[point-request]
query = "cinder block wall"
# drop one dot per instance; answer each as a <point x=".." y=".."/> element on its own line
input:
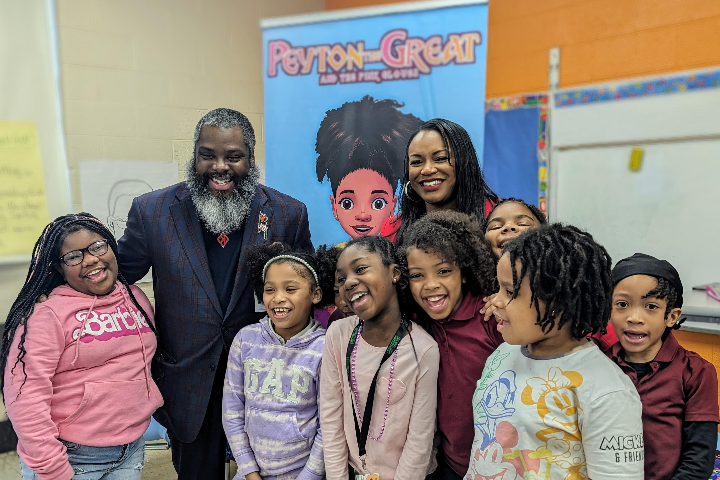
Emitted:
<point x="137" y="75"/>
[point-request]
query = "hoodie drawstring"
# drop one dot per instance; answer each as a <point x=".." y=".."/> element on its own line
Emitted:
<point x="127" y="302"/>
<point x="82" y="330"/>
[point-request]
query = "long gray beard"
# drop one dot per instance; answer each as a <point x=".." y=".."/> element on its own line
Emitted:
<point x="222" y="214"/>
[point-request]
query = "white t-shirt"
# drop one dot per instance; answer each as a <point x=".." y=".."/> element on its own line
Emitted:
<point x="576" y="416"/>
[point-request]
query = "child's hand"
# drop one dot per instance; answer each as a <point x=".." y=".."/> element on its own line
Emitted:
<point x="489" y="309"/>
<point x="253" y="476"/>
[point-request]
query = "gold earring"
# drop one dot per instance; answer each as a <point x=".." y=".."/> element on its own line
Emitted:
<point x="408" y="195"/>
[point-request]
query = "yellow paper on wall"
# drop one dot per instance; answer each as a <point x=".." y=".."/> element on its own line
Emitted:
<point x="23" y="209"/>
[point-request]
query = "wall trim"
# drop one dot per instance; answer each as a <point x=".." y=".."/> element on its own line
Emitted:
<point x="349" y="13"/>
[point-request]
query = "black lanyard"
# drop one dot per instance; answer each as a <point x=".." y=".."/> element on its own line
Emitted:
<point x="362" y="434"/>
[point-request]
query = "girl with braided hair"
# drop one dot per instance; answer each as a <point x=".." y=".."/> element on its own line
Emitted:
<point x="451" y="268"/>
<point x="442" y="172"/>
<point x="549" y="403"/>
<point x="77" y="384"/>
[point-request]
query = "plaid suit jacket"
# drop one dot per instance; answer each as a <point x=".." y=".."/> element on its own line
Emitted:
<point x="163" y="232"/>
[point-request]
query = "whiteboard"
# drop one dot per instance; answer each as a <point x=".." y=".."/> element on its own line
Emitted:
<point x="668" y="209"/>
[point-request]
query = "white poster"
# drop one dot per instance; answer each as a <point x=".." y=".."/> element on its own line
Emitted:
<point x="127" y="180"/>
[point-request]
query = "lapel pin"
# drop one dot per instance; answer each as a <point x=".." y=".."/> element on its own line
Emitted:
<point x="263" y="225"/>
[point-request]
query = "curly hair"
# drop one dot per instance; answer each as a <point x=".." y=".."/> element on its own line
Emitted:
<point x="569" y="272"/>
<point x="456" y="238"/>
<point x="665" y="291"/>
<point x="259" y="255"/>
<point x="388" y="252"/>
<point x="44" y="276"/>
<point x="471" y="190"/>
<point x="539" y="216"/>
<point x="327" y="258"/>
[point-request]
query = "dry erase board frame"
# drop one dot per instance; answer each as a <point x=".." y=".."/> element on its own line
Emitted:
<point x="668" y="208"/>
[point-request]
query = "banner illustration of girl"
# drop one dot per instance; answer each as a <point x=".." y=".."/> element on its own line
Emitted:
<point x="361" y="150"/>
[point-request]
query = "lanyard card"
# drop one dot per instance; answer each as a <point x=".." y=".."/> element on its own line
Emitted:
<point x="369" y="476"/>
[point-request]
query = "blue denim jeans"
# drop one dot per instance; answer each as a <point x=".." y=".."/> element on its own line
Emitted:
<point x="124" y="462"/>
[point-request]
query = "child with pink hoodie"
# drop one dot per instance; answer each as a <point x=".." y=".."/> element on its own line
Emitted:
<point x="77" y="384"/>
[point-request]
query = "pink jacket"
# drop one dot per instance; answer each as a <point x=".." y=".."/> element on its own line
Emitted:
<point x="92" y="388"/>
<point x="405" y="450"/>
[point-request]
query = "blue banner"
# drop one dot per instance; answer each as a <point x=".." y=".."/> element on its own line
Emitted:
<point x="342" y="98"/>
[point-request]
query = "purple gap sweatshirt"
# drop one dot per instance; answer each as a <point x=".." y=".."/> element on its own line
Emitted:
<point x="270" y="402"/>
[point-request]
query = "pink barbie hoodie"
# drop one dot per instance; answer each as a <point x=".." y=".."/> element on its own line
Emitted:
<point x="88" y="376"/>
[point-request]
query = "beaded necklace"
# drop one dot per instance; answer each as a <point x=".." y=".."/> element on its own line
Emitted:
<point x="355" y="388"/>
<point x="362" y="429"/>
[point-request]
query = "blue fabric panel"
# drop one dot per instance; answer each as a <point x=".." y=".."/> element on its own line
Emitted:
<point x="510" y="163"/>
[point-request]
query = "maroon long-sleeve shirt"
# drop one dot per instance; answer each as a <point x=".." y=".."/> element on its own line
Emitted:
<point x="465" y="341"/>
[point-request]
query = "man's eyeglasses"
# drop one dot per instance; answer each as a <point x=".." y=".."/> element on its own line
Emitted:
<point x="75" y="257"/>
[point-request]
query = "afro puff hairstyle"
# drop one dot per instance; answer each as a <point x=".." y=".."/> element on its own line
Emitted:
<point x="367" y="133"/>
<point x="259" y="255"/>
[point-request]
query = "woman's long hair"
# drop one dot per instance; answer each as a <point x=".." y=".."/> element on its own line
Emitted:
<point x="471" y="190"/>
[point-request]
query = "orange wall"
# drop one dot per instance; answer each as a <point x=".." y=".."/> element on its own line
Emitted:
<point x="600" y="40"/>
<point x="707" y="346"/>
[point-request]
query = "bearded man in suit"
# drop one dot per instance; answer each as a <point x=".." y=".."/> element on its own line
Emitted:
<point x="195" y="235"/>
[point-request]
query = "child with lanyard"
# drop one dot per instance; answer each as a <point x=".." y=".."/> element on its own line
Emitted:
<point x="549" y="404"/>
<point x="270" y="398"/>
<point x="678" y="388"/>
<point x="77" y="384"/>
<point x="451" y="268"/>
<point x="379" y="377"/>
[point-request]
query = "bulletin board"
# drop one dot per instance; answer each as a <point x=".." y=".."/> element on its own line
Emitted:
<point x="515" y="156"/>
<point x="666" y="208"/>
<point x="34" y="183"/>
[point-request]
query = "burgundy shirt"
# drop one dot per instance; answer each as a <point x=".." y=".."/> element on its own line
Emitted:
<point x="465" y="342"/>
<point x="681" y="387"/>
